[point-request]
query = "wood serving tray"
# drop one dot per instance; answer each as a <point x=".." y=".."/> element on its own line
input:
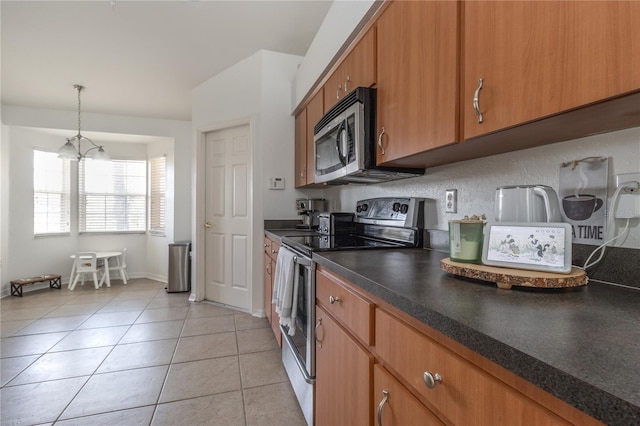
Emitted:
<point x="508" y="277"/>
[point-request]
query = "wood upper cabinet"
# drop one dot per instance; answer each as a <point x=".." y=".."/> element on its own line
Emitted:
<point x="358" y="69"/>
<point x="304" y="152"/>
<point x="343" y="376"/>
<point x="417" y="81"/>
<point x="315" y="110"/>
<point x="540" y="58"/>
<point x="301" y="149"/>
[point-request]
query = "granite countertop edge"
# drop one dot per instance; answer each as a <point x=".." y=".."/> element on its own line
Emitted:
<point x="591" y="399"/>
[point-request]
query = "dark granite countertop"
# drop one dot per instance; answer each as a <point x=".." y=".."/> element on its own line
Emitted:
<point x="581" y="345"/>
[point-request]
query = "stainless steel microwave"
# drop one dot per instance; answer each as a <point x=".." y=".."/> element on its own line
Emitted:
<point x="345" y="145"/>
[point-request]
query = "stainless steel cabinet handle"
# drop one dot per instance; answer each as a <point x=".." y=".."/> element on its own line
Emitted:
<point x="266" y="245"/>
<point x="333" y="299"/>
<point x="380" y="141"/>
<point x="431" y="380"/>
<point x="346" y="84"/>
<point x="315" y="332"/>
<point x="338" y="91"/>
<point x="476" y="101"/>
<point x="385" y="398"/>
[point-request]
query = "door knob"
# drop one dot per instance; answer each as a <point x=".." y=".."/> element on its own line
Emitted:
<point x="207" y="225"/>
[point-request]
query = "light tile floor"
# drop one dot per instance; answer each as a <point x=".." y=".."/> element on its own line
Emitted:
<point x="136" y="355"/>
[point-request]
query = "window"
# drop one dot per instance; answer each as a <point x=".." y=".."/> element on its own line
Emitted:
<point x="157" y="197"/>
<point x="51" y="193"/>
<point x="112" y="195"/>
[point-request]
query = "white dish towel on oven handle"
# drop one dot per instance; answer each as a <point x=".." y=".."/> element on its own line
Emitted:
<point x="285" y="289"/>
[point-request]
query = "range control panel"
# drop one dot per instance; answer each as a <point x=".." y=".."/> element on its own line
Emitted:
<point x="394" y="211"/>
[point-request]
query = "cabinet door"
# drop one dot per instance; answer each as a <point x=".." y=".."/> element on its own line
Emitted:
<point x="354" y="312"/>
<point x="268" y="286"/>
<point x="343" y="376"/>
<point x="358" y="69"/>
<point x="539" y="58"/>
<point x="417" y="78"/>
<point x="301" y="149"/>
<point x="315" y="110"/>
<point x="395" y="406"/>
<point x="460" y="392"/>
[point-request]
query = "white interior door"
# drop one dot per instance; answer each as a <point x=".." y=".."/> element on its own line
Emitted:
<point x="228" y="210"/>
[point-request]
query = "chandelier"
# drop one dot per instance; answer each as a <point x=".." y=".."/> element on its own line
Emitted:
<point x="68" y="151"/>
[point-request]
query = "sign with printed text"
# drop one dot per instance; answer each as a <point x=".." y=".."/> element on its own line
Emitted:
<point x="583" y="198"/>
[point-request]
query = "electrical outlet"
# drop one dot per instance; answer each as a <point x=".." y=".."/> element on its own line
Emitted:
<point x="628" y="204"/>
<point x="451" y="201"/>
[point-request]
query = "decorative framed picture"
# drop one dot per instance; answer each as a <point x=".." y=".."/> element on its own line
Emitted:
<point x="538" y="246"/>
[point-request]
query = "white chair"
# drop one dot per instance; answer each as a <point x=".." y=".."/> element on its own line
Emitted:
<point x="86" y="263"/>
<point x="121" y="266"/>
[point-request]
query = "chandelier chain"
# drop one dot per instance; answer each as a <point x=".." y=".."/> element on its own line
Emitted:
<point x="79" y="89"/>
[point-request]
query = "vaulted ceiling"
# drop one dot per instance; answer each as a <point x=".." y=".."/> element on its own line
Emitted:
<point x="139" y="58"/>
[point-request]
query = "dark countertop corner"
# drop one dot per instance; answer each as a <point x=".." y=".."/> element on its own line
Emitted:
<point x="581" y="344"/>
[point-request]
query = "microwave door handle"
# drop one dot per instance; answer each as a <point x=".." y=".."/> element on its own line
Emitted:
<point x="339" y="137"/>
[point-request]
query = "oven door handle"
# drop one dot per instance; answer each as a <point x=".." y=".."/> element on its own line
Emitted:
<point x="302" y="261"/>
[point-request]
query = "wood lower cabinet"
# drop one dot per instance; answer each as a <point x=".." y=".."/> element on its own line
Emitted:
<point x="355" y="312"/>
<point x="343" y="376"/>
<point x="268" y="286"/>
<point x="540" y="58"/>
<point x="395" y="406"/>
<point x="417" y="81"/>
<point x="466" y="394"/>
<point x="271" y="248"/>
<point x="429" y="378"/>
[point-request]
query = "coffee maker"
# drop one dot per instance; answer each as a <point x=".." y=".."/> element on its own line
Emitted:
<point x="310" y="209"/>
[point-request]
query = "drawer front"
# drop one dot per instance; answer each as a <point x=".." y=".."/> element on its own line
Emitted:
<point x="267" y="246"/>
<point x="350" y="309"/>
<point x="275" y="246"/>
<point x="466" y="394"/>
<point x="399" y="407"/>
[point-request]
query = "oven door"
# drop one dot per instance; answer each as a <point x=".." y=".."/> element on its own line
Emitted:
<point x="298" y="351"/>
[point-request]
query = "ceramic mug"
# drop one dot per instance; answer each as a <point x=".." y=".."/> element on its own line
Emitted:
<point x="581" y="207"/>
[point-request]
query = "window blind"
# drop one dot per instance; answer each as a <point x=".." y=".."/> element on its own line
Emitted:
<point x="51" y="193"/>
<point x="157" y="195"/>
<point x="112" y="195"/>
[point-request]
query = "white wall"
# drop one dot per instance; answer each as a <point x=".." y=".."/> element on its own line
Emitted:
<point x="257" y="88"/>
<point x="157" y="245"/>
<point x="26" y="128"/>
<point x="476" y="180"/>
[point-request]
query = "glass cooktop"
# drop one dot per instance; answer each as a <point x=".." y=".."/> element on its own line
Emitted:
<point x="334" y="242"/>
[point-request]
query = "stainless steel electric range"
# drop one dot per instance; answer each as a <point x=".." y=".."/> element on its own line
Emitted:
<point x="377" y="223"/>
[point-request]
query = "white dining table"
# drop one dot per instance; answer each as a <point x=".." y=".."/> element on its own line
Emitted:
<point x="105" y="255"/>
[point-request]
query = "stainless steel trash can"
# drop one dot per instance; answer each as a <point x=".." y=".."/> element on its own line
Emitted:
<point x="179" y="267"/>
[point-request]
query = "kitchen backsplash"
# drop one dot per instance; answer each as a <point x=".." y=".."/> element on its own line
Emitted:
<point x="477" y="180"/>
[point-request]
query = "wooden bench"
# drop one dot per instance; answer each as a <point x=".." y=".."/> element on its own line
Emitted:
<point x="16" y="285"/>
